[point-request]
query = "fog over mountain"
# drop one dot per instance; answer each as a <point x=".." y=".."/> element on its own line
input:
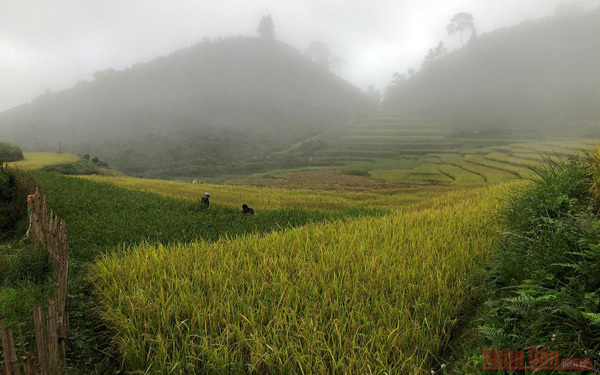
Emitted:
<point x="223" y="105"/>
<point x="299" y="187"/>
<point x="52" y="45"/>
<point x="211" y="108"/>
<point x="535" y="77"/>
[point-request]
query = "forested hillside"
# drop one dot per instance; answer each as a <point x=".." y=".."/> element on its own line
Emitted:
<point x="217" y="107"/>
<point x="535" y="77"/>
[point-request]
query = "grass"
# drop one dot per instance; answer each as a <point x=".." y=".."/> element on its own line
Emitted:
<point x="22" y="263"/>
<point x="501" y="165"/>
<point x="512" y="159"/>
<point x="16" y="301"/>
<point x="372" y="295"/>
<point x="25" y="279"/>
<point x="427" y="174"/>
<point x="351" y="171"/>
<point x="381" y="164"/>
<point x="38" y="160"/>
<point x="460" y="175"/>
<point x="542" y="285"/>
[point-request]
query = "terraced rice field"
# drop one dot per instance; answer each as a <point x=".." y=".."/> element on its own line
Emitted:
<point x="373" y="295"/>
<point x="38" y="160"/>
<point x="209" y="291"/>
<point x="316" y="282"/>
<point x="398" y="149"/>
<point x="264" y="198"/>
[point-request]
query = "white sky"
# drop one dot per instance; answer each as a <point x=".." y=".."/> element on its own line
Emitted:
<point x="52" y="44"/>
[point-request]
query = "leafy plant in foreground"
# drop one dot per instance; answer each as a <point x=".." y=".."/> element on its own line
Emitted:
<point x="544" y="282"/>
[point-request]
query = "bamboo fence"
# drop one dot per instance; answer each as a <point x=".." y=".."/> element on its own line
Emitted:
<point x="51" y="324"/>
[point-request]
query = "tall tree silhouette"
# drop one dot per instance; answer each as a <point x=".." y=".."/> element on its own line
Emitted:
<point x="435" y="54"/>
<point x="266" y="28"/>
<point x="460" y="23"/>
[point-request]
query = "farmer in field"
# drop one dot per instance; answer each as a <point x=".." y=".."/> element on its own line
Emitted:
<point x="30" y="202"/>
<point x="247" y="210"/>
<point x="205" y="201"/>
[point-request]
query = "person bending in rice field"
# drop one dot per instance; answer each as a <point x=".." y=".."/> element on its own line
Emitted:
<point x="30" y="202"/>
<point x="205" y="201"/>
<point x="247" y="210"/>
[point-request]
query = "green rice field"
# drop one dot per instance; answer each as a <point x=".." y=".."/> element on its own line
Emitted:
<point x="405" y="150"/>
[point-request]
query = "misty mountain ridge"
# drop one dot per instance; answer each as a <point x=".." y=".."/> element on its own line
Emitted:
<point x="535" y="77"/>
<point x="219" y="104"/>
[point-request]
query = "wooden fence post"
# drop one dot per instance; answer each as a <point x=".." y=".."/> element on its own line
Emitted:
<point x="29" y="367"/>
<point x="8" y="348"/>
<point x="39" y="322"/>
<point x="52" y="339"/>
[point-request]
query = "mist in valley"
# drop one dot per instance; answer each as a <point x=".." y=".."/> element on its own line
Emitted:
<point x="198" y="89"/>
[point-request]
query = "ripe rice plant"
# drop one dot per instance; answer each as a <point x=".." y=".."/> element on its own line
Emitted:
<point x="372" y="295"/>
<point x="265" y="198"/>
<point x="102" y="216"/>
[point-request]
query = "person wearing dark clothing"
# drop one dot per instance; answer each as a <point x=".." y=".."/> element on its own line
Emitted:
<point x="247" y="210"/>
<point x="205" y="200"/>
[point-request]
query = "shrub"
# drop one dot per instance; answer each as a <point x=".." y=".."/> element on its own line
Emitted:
<point x="23" y="263"/>
<point x="10" y="152"/>
<point x="5" y="188"/>
<point x="100" y="163"/>
<point x="354" y="171"/>
<point x="83" y="166"/>
<point x="544" y="283"/>
<point x="11" y="210"/>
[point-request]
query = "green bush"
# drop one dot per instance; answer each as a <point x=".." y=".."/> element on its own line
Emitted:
<point x="23" y="263"/>
<point x="83" y="166"/>
<point x="354" y="171"/>
<point x="545" y="289"/>
<point x="10" y="152"/>
<point x="5" y="188"/>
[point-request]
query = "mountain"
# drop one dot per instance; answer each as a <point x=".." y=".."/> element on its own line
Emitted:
<point x="536" y="77"/>
<point x="218" y="107"/>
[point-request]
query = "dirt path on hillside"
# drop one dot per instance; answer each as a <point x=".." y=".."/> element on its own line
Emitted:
<point x="296" y="145"/>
